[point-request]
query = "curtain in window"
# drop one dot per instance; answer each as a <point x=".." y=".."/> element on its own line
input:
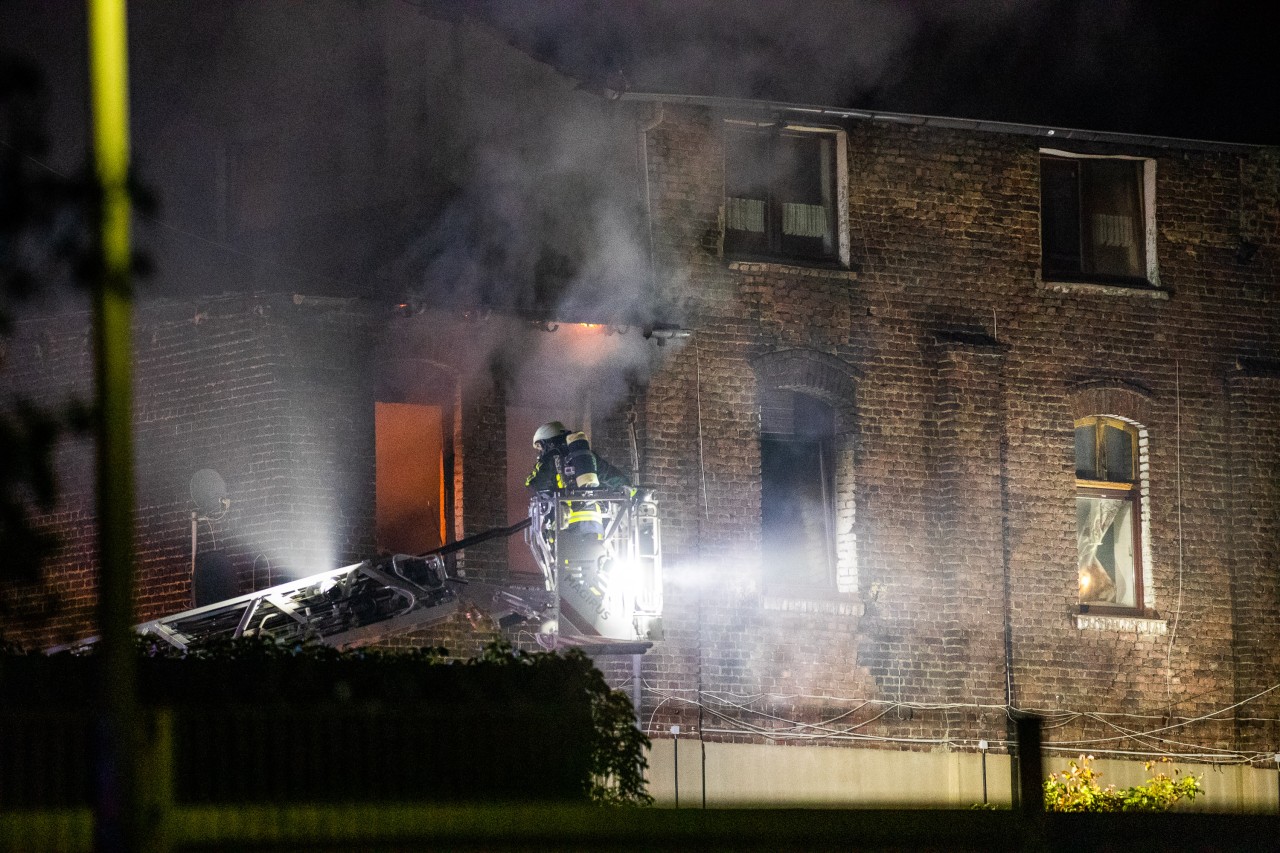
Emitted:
<point x="1113" y="217"/>
<point x="744" y="214"/>
<point x="1112" y="230"/>
<point x="826" y="165"/>
<point x="804" y="220"/>
<point x="1094" y="516"/>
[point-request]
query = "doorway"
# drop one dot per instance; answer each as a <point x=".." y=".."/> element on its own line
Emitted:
<point x="409" y="441"/>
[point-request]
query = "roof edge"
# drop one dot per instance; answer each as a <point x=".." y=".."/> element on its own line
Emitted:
<point x="1045" y="132"/>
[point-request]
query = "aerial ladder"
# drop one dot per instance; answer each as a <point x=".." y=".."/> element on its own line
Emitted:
<point x="604" y="596"/>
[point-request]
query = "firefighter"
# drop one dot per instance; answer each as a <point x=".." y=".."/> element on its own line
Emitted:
<point x="566" y="463"/>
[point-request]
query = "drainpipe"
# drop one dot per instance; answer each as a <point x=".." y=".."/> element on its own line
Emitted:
<point x="643" y="141"/>
<point x="635" y="445"/>
<point x="637" y="690"/>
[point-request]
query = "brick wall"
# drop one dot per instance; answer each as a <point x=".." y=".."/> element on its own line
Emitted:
<point x="50" y="363"/>
<point x="259" y="389"/>
<point x="1254" y="521"/>
<point x="969" y="371"/>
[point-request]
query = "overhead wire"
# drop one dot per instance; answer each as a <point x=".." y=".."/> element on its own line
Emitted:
<point x="731" y="712"/>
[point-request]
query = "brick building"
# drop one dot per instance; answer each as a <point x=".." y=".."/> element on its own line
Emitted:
<point x="945" y="419"/>
<point x="971" y="316"/>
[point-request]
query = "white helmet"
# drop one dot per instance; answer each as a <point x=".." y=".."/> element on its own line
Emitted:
<point x="548" y="431"/>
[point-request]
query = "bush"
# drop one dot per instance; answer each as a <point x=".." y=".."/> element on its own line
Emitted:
<point x="617" y="762"/>
<point x="361" y="724"/>
<point x="1076" y="789"/>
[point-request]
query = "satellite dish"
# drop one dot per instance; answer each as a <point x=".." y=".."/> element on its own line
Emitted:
<point x="209" y="492"/>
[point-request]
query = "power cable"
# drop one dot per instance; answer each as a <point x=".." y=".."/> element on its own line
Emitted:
<point x="827" y="730"/>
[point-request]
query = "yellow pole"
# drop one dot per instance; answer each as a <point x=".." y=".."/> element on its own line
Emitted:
<point x="119" y="824"/>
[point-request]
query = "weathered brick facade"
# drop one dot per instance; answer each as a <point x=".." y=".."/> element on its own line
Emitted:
<point x="955" y="373"/>
<point x="968" y="371"/>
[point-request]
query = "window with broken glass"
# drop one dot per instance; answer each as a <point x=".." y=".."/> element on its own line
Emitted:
<point x="1108" y="506"/>
<point x="1092" y="221"/>
<point x="797" y="509"/>
<point x="780" y="191"/>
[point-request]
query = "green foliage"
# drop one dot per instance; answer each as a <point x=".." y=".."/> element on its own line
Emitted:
<point x="1077" y="789"/>
<point x="617" y="745"/>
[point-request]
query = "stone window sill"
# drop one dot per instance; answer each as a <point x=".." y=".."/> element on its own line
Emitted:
<point x="792" y="269"/>
<point x="1139" y="291"/>
<point x="823" y="606"/>
<point x="1122" y="624"/>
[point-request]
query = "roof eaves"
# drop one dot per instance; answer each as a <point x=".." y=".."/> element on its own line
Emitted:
<point x="1045" y="132"/>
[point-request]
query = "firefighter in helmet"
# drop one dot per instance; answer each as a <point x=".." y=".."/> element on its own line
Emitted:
<point x="566" y="463"/>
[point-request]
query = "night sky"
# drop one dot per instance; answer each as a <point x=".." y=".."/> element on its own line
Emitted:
<point x="1189" y="69"/>
<point x="1194" y="70"/>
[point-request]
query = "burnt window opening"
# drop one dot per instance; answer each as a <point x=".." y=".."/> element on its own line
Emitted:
<point x="1109" y="513"/>
<point x="780" y="194"/>
<point x="1093" y="220"/>
<point x="797" y="505"/>
<point x="410" y="477"/>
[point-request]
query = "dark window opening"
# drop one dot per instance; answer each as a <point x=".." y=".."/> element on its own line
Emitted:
<point x="215" y="578"/>
<point x="797" y="490"/>
<point x="1105" y="451"/>
<point x="780" y="194"/>
<point x="1092" y="222"/>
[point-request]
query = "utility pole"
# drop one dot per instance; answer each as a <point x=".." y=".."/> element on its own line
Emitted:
<point x="118" y="807"/>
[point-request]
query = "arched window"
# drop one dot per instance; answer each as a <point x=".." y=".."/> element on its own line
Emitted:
<point x="1109" y="513"/>
<point x="797" y="466"/>
<point x="808" y="429"/>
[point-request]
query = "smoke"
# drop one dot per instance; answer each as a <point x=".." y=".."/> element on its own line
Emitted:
<point x="807" y="51"/>
<point x="535" y="218"/>
<point x="1136" y="66"/>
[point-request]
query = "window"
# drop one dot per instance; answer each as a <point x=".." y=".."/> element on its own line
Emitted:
<point x="1108" y="513"/>
<point x="1094" y="215"/>
<point x="797" y="485"/>
<point x="780" y="194"/>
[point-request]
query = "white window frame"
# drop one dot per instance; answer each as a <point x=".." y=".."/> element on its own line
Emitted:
<point x="1148" y="207"/>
